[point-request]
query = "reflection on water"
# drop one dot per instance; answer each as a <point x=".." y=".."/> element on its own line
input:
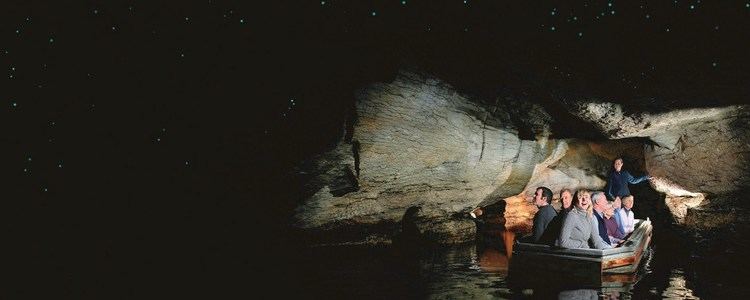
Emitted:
<point x="678" y="287"/>
<point x="479" y="272"/>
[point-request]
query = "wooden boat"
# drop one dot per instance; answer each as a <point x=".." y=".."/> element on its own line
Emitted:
<point x="584" y="267"/>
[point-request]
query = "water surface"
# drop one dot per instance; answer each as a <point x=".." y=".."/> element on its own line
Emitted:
<point x="675" y="268"/>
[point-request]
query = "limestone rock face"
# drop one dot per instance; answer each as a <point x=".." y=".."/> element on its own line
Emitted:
<point x="421" y="155"/>
<point x="710" y="155"/>
<point x="699" y="151"/>
<point x="419" y="143"/>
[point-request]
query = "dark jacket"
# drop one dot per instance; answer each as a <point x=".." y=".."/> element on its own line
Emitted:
<point x="550" y="235"/>
<point x="542" y="218"/>
<point x="602" y="228"/>
<point x="617" y="183"/>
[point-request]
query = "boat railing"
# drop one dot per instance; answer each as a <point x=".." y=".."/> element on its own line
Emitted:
<point x="632" y="242"/>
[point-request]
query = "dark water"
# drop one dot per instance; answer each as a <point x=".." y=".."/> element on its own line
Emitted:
<point x="676" y="267"/>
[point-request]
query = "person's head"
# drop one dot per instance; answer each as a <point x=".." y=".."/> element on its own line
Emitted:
<point x="617" y="204"/>
<point x="542" y="196"/>
<point x="618" y="164"/>
<point x="599" y="201"/>
<point x="566" y="197"/>
<point x="609" y="210"/>
<point x="627" y="202"/>
<point x="582" y="199"/>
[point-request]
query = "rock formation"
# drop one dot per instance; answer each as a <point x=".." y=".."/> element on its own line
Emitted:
<point x="419" y="143"/>
<point x="420" y="155"/>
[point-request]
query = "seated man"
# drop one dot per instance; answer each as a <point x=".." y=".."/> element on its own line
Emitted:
<point x="545" y="214"/>
<point x="579" y="229"/>
<point x="613" y="229"/>
<point x="626" y="215"/>
<point x="600" y="204"/>
<point x="550" y="235"/>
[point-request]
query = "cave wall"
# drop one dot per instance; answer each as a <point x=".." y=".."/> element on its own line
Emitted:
<point x="419" y="143"/>
<point x="709" y="155"/>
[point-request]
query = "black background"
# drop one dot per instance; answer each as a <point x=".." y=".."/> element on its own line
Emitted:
<point x="149" y="152"/>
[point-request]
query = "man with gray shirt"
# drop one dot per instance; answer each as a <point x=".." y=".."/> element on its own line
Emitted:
<point x="580" y="229"/>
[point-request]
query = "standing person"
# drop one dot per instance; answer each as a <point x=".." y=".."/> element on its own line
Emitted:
<point x="545" y="214"/>
<point x="626" y="215"/>
<point x="618" y="180"/>
<point x="579" y="229"/>
<point x="600" y="204"/>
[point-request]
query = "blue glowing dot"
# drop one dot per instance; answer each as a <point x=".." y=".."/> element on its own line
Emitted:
<point x="692" y="6"/>
<point x="552" y="28"/>
<point x="187" y="163"/>
<point x="130" y="8"/>
<point x="648" y="16"/>
<point x="14" y="104"/>
<point x="465" y="1"/>
<point x="747" y="4"/>
<point x="242" y="21"/>
<point x="403" y="2"/>
<point x="714" y="64"/>
<point x="10" y="76"/>
<point x="613" y="12"/>
<point x="96" y="11"/>
<point x="25" y="170"/>
<point x="373" y="14"/>
<point x="667" y="29"/>
<point x="322" y="3"/>
<point x="29" y="158"/>
<point x="158" y="139"/>
<point x="552" y="13"/>
<point x="114" y="28"/>
<point x="45" y="189"/>
<point x="163" y="130"/>
<point x="575" y="18"/>
<point x="12" y="68"/>
<point x="18" y="31"/>
<point x="51" y="40"/>
<point x="182" y="54"/>
<point x="580" y="34"/>
<point x="59" y="166"/>
<point x="609" y="4"/>
<point x="187" y="19"/>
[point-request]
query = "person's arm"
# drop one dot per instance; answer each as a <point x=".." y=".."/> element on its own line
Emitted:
<point x="635" y="180"/>
<point x="609" y="187"/>
<point x="566" y="232"/>
<point x="631" y="221"/>
<point x="622" y="219"/>
<point x="538" y="226"/>
<point x="619" y="220"/>
<point x="598" y="242"/>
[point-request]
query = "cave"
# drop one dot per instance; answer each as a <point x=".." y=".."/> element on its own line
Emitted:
<point x="419" y="141"/>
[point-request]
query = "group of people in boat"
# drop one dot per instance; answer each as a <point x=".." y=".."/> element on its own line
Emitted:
<point x="588" y="219"/>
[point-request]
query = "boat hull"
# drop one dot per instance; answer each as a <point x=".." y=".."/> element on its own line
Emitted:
<point x="590" y="267"/>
